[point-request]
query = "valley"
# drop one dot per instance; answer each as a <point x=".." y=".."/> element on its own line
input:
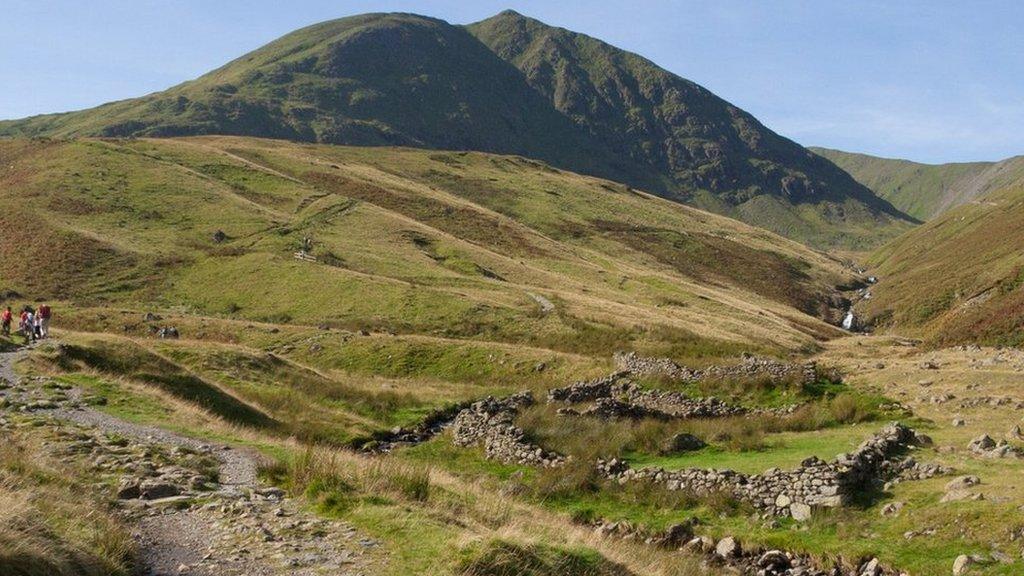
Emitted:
<point x="320" y="311"/>
<point x="390" y="295"/>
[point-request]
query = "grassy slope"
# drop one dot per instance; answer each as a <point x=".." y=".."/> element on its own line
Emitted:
<point x="455" y="241"/>
<point x="438" y="255"/>
<point x="958" y="278"/>
<point x="407" y="241"/>
<point x="925" y="190"/>
<point x="400" y="79"/>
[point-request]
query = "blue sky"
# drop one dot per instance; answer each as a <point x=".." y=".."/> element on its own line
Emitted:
<point x="933" y="81"/>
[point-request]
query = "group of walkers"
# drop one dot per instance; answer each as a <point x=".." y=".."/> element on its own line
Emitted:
<point x="33" y="323"/>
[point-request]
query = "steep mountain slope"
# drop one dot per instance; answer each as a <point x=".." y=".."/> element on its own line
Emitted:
<point x="925" y="190"/>
<point x="457" y="245"/>
<point x="960" y="276"/>
<point x="527" y="89"/>
<point x="719" y="156"/>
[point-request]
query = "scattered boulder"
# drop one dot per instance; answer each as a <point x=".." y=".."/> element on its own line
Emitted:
<point x="157" y="489"/>
<point x="892" y="509"/>
<point x="775" y="561"/>
<point x="871" y="568"/>
<point x="962" y="564"/>
<point x="982" y="443"/>
<point x="682" y="442"/>
<point x="700" y="545"/>
<point x="962" y="483"/>
<point x="985" y="446"/>
<point x="728" y="547"/>
<point x="128" y="489"/>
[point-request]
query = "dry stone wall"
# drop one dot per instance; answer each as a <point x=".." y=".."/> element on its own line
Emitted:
<point x="749" y="367"/>
<point x="491" y="422"/>
<point x="616" y="396"/>
<point x="815" y="483"/>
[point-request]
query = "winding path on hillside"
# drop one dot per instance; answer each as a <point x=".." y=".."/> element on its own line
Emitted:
<point x="200" y="540"/>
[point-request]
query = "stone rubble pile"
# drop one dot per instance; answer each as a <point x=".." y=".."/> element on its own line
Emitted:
<point x="992" y="401"/>
<point x="986" y="447"/>
<point x="795" y="493"/>
<point x="729" y="552"/>
<point x="491" y="422"/>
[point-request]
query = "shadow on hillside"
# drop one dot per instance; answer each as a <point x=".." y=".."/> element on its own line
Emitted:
<point x="147" y="368"/>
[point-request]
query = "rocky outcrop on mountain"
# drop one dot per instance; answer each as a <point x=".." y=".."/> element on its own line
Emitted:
<point x="491" y="422"/>
<point x="815" y="483"/>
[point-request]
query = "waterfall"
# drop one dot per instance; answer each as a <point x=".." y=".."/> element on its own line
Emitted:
<point x="848" y="320"/>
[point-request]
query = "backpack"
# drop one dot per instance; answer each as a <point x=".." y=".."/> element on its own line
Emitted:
<point x="44" y="311"/>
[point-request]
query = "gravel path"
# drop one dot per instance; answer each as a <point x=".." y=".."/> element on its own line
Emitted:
<point x="238" y="468"/>
<point x="242" y="530"/>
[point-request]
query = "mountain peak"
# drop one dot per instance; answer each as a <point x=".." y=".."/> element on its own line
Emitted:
<point x="510" y="84"/>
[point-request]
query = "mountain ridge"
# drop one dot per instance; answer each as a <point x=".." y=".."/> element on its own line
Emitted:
<point x="408" y="80"/>
<point x="925" y="190"/>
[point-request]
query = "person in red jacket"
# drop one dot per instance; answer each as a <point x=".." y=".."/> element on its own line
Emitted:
<point x="5" y="321"/>
<point x="44" y="313"/>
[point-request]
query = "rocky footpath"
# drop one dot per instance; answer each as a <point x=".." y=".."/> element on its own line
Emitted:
<point x="194" y="507"/>
<point x="795" y="493"/>
<point x="491" y="422"/>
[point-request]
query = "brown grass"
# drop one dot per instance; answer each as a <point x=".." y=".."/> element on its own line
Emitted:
<point x="49" y="526"/>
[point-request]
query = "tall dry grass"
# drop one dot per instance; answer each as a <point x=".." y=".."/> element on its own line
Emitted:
<point x="336" y="479"/>
<point x="49" y="526"/>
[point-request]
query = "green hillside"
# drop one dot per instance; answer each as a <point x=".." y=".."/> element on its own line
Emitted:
<point x="507" y="85"/>
<point x="325" y="295"/>
<point x="925" y="190"/>
<point x="450" y="245"/>
<point x="959" y="277"/>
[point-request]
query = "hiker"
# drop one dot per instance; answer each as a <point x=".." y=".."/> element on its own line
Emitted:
<point x="43" y="319"/>
<point x="28" y="324"/>
<point x="5" y="321"/>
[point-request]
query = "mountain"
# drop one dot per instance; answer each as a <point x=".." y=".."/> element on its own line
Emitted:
<point x="509" y="85"/>
<point x="407" y="241"/>
<point x="959" y="277"/>
<point x="925" y="190"/>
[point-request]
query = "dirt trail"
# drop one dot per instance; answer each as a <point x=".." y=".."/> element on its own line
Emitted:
<point x="232" y="526"/>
